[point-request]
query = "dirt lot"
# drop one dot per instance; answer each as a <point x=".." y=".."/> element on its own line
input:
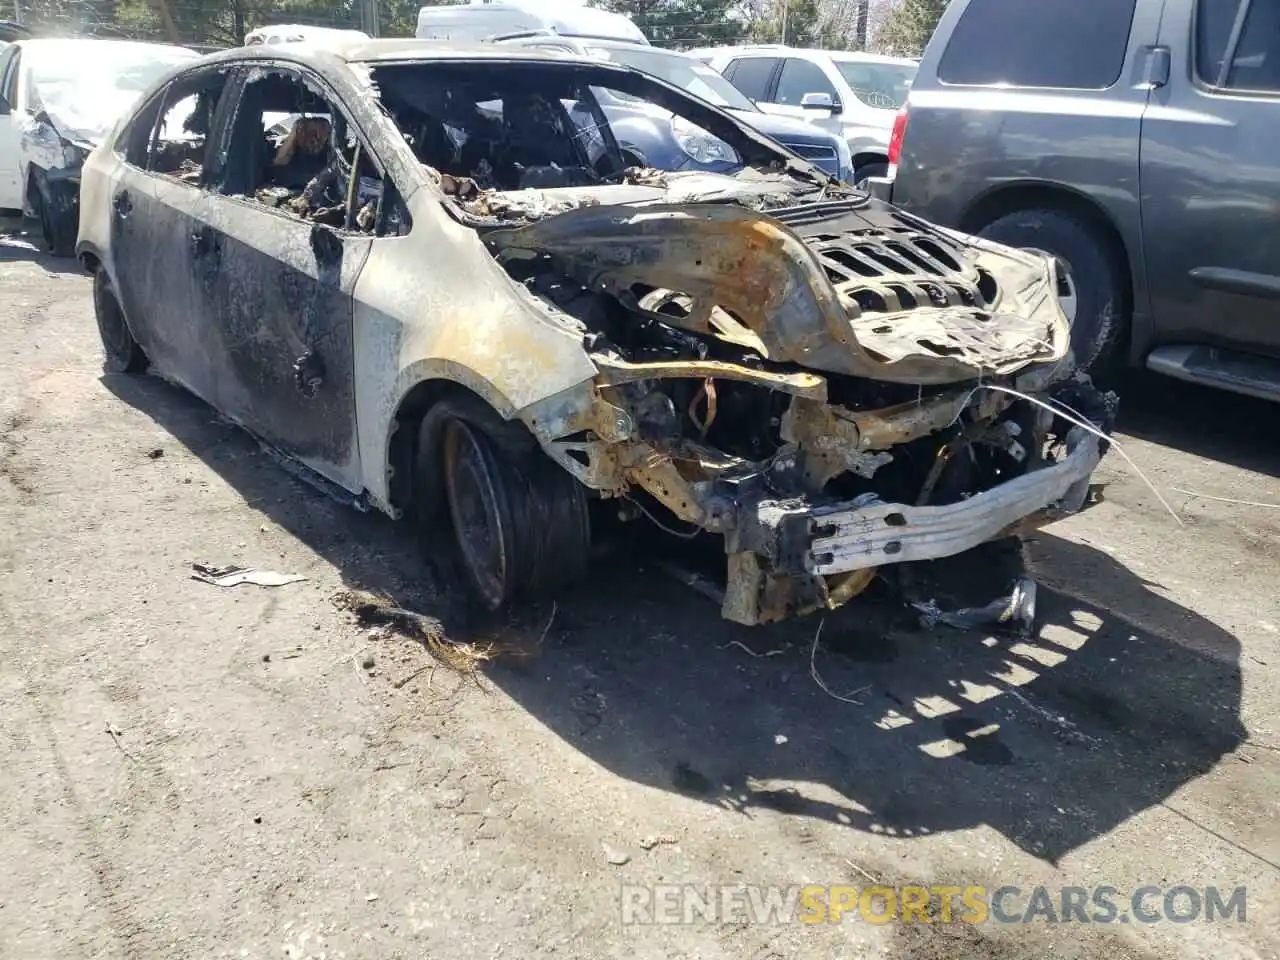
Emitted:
<point x="191" y="771"/>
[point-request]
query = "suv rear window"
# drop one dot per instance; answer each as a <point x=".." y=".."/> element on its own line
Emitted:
<point x="751" y="75"/>
<point x="1076" y="44"/>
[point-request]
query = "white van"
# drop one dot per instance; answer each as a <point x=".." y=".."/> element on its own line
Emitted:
<point x="477" y="22"/>
<point x="298" y="33"/>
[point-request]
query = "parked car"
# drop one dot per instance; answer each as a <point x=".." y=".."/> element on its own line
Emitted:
<point x="298" y="33"/>
<point x="854" y="95"/>
<point x="1134" y="140"/>
<point x="481" y="20"/>
<point x="763" y="355"/>
<point x="652" y="138"/>
<point x="58" y="100"/>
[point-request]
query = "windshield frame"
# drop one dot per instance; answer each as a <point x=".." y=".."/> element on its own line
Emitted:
<point x="754" y="149"/>
<point x="890" y="68"/>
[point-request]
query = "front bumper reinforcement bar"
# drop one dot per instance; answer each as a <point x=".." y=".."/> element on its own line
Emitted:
<point x="844" y="539"/>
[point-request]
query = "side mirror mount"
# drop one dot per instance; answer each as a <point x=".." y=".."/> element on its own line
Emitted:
<point x="818" y="102"/>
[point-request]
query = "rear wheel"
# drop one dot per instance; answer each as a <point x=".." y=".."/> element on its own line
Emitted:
<point x="123" y="355"/>
<point x="1090" y="278"/>
<point x="519" y="521"/>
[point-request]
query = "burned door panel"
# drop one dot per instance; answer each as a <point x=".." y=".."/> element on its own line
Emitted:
<point x="281" y="292"/>
<point x="152" y="221"/>
<point x="279" y="279"/>
<point x="157" y="201"/>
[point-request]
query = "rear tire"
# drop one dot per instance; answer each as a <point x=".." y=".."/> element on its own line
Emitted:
<point x="122" y="353"/>
<point x="519" y="521"/>
<point x="1100" y="326"/>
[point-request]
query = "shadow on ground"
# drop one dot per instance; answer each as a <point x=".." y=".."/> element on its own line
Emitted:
<point x="1209" y="423"/>
<point x="16" y="246"/>
<point x="1052" y="741"/>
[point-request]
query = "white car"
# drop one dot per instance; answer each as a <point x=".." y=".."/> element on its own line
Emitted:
<point x="854" y="95"/>
<point x="58" y="100"/>
<point x="299" y="33"/>
<point x="477" y="22"/>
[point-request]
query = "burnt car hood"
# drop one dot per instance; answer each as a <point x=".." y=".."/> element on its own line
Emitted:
<point x="819" y="277"/>
<point x="85" y="120"/>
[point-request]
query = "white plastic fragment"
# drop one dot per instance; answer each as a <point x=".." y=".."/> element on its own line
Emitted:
<point x="234" y="576"/>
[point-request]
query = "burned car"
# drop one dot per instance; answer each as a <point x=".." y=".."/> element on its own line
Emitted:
<point x="445" y="294"/>
<point x="58" y="100"/>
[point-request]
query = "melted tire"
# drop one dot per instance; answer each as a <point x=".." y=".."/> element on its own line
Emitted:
<point x="519" y="521"/>
<point x="122" y="353"/>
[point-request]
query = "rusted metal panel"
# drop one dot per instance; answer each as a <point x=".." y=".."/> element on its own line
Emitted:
<point x="759" y="271"/>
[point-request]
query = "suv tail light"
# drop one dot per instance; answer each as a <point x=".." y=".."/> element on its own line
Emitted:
<point x="895" y="139"/>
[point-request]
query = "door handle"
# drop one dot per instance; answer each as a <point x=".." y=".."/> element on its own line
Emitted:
<point x="205" y="242"/>
<point x="1156" y="73"/>
<point x="123" y="203"/>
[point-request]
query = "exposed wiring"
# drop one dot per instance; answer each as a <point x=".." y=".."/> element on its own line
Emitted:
<point x="708" y="392"/>
<point x="1063" y="411"/>
<point x="817" y="678"/>
<point x="687" y="535"/>
<point x="1240" y="503"/>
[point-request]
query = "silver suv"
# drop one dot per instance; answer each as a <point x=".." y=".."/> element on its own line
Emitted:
<point x="1134" y="139"/>
<point x="853" y="95"/>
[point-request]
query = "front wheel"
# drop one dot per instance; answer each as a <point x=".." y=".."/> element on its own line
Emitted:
<point x="55" y="207"/>
<point x="1090" y="279"/>
<point x="519" y="520"/>
<point x="868" y="170"/>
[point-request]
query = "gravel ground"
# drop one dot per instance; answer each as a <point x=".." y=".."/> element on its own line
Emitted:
<point x="191" y="771"/>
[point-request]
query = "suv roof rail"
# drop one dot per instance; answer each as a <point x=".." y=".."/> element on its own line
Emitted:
<point x="522" y="34"/>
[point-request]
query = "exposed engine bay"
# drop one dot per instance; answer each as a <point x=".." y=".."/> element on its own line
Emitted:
<point x="830" y="384"/>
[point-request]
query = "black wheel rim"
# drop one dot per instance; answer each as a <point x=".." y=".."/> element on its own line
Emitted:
<point x="472" y="490"/>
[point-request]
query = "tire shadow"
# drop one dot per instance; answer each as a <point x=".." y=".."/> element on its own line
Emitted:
<point x="16" y="246"/>
<point x="1053" y="741"/>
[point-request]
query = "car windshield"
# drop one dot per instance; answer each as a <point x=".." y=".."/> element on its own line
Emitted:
<point x="690" y="75"/>
<point x="545" y="124"/>
<point x="882" y="85"/>
<point x="96" y="67"/>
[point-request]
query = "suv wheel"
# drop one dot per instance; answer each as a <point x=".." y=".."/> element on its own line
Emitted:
<point x="1090" y="282"/>
<point x="868" y="170"/>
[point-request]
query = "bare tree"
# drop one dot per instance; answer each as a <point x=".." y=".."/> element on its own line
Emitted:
<point x="905" y="26"/>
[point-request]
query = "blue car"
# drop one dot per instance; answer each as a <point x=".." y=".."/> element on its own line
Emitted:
<point x="654" y="138"/>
